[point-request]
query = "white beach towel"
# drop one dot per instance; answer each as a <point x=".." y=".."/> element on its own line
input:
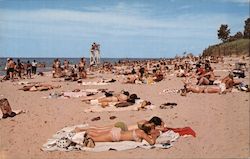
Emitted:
<point x="165" y="140"/>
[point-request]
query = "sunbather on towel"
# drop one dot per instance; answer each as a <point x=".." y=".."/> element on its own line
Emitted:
<point x="225" y="85"/>
<point x="39" y="87"/>
<point x="120" y="98"/>
<point x="96" y="131"/>
<point x="148" y="133"/>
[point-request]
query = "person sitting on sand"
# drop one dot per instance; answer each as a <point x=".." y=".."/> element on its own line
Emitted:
<point x="147" y="132"/>
<point x="158" y="75"/>
<point x="66" y="68"/>
<point x="181" y="71"/>
<point x="6" y="109"/>
<point x="57" y="70"/>
<point x="208" y="78"/>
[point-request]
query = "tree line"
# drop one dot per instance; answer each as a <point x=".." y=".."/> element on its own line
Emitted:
<point x="224" y="33"/>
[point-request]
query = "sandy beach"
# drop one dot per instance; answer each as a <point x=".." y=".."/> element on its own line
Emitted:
<point x="221" y="121"/>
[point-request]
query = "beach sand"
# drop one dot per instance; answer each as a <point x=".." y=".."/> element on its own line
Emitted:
<point x="221" y="122"/>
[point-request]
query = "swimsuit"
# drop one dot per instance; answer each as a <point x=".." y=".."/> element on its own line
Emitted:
<point x="222" y="87"/>
<point x="122" y="126"/>
<point x="211" y="82"/>
<point x="11" y="69"/>
<point x="135" y="137"/>
<point x="116" y="134"/>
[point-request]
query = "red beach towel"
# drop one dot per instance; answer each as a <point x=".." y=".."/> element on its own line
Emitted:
<point x="183" y="131"/>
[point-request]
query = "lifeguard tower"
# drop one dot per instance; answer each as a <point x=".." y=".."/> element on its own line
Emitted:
<point x="95" y="54"/>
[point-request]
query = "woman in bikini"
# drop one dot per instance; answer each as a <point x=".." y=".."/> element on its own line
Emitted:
<point x="104" y="101"/>
<point x="148" y="133"/>
<point x="96" y="131"/>
<point x="224" y="86"/>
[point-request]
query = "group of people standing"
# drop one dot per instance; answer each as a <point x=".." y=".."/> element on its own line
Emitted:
<point x="68" y="71"/>
<point x="19" y="69"/>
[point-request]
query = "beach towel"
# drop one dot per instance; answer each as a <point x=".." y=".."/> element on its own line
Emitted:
<point x="169" y="91"/>
<point x="70" y="94"/>
<point x="65" y="140"/>
<point x="183" y="131"/>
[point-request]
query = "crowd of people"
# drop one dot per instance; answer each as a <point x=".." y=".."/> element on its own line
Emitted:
<point x="136" y="72"/>
<point x="197" y="73"/>
<point x="18" y="69"/>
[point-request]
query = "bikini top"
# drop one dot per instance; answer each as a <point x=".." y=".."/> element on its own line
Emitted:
<point x="135" y="137"/>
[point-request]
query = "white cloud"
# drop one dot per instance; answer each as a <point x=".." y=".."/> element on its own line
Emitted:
<point x="121" y="20"/>
<point x="238" y="1"/>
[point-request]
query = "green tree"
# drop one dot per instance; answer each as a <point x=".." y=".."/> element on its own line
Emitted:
<point x="247" y="29"/>
<point x="236" y="36"/>
<point x="223" y="32"/>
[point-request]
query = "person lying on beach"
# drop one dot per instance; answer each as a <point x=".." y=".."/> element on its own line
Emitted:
<point x="225" y="85"/>
<point x="119" y="98"/>
<point x="130" y="79"/>
<point x="96" y="131"/>
<point x="147" y="132"/>
<point x="38" y="87"/>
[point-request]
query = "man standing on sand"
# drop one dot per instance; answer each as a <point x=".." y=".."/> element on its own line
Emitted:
<point x="11" y="68"/>
<point x="34" y="66"/>
<point x="28" y="69"/>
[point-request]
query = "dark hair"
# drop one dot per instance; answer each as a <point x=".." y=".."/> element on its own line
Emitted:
<point x="126" y="93"/>
<point x="131" y="100"/>
<point x="156" y="120"/>
<point x="108" y="94"/>
<point x="133" y="96"/>
<point x="146" y="128"/>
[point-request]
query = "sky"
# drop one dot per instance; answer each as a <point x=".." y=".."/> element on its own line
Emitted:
<point x="123" y="28"/>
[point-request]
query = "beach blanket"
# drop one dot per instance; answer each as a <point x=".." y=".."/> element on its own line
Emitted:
<point x="112" y="107"/>
<point x="71" y="94"/>
<point x="170" y="91"/>
<point x="65" y="140"/>
<point x="94" y="83"/>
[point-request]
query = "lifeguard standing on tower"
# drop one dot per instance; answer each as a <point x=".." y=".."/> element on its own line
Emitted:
<point x="95" y="54"/>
